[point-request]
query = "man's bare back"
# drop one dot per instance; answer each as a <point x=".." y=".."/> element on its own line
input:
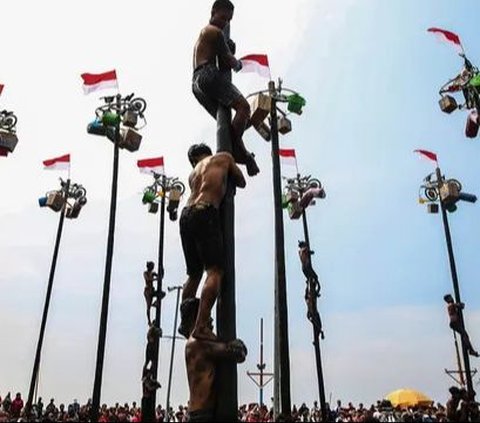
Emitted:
<point x="208" y="180"/>
<point x="206" y="47"/>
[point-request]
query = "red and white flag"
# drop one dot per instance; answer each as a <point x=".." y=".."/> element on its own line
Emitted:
<point x="155" y="165"/>
<point x="427" y="154"/>
<point x="58" y="163"/>
<point x="99" y="81"/>
<point x="256" y="63"/>
<point x="1" y="88"/>
<point x="287" y="157"/>
<point x="448" y="37"/>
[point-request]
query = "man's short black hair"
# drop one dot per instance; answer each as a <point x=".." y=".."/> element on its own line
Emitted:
<point x="222" y="4"/>
<point x="448" y="298"/>
<point x="198" y="150"/>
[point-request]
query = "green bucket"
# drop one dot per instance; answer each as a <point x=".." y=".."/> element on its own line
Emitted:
<point x="148" y="197"/>
<point x="475" y="81"/>
<point x="110" y="119"/>
<point x="295" y="103"/>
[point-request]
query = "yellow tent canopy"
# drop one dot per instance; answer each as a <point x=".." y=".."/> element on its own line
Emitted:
<point x="408" y="398"/>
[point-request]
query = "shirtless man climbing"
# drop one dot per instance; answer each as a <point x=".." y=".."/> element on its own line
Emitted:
<point x="200" y="230"/>
<point x="211" y="87"/>
<point x="202" y="358"/>
<point x="456" y="324"/>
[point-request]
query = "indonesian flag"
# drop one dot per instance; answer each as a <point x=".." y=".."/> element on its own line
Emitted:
<point x="58" y="163"/>
<point x="287" y="157"/>
<point x="427" y="154"/>
<point x="256" y="63"/>
<point x="448" y="37"/>
<point x="99" y="81"/>
<point x="155" y="165"/>
<point x="1" y="88"/>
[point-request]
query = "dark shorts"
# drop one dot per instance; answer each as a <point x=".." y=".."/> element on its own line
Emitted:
<point x="211" y="88"/>
<point x="200" y="416"/>
<point x="202" y="240"/>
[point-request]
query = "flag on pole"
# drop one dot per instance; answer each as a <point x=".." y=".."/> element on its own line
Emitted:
<point x="448" y="37"/>
<point x="99" y="81"/>
<point x="1" y="88"/>
<point x="256" y="63"/>
<point x="287" y="157"/>
<point x="428" y="154"/>
<point x="58" y="163"/>
<point x="154" y="165"/>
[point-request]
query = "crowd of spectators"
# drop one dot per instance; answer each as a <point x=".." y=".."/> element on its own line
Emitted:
<point x="12" y="409"/>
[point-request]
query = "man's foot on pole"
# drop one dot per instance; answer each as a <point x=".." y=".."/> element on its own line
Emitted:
<point x="252" y="167"/>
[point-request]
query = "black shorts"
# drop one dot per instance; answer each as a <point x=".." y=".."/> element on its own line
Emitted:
<point x="202" y="240"/>
<point x="211" y="88"/>
<point x="200" y="416"/>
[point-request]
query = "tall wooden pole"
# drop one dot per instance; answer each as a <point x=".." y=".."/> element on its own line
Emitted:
<point x="226" y="379"/>
<point x="456" y="289"/>
<point x="38" y="353"/>
<point x="282" y="400"/>
<point x="316" y="335"/>
<point x="97" y="386"/>
<point x="172" y="353"/>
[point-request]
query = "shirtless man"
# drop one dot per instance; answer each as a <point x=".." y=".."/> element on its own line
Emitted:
<point x="149" y="291"/>
<point x="305" y="255"/>
<point x="456" y="324"/>
<point x="211" y="87"/>
<point x="200" y="230"/>
<point x="201" y="358"/>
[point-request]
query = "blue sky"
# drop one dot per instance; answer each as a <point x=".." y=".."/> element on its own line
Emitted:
<point x="370" y="74"/>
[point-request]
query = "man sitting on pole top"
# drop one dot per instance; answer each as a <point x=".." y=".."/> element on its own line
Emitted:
<point x="212" y="88"/>
<point x="200" y="230"/>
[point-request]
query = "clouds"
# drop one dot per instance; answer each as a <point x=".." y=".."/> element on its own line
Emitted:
<point x="375" y="249"/>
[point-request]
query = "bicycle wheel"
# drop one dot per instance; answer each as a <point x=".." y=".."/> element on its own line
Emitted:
<point x="138" y="104"/>
<point x="314" y="183"/>
<point x="80" y="192"/>
<point x="179" y="186"/>
<point x="10" y="121"/>
<point x="431" y="194"/>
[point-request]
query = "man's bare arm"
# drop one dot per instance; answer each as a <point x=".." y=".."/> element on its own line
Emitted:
<point x="224" y="52"/>
<point x="234" y="350"/>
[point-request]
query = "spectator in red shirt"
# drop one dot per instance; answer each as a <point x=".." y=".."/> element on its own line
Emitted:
<point x="17" y="405"/>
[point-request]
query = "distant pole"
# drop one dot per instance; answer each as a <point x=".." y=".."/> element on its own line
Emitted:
<point x="150" y="402"/>
<point x="459" y="361"/>
<point x="97" y="387"/>
<point x="172" y="354"/>
<point x="456" y="289"/>
<point x="282" y="354"/>
<point x="316" y="338"/>
<point x="226" y="372"/>
<point x="264" y="378"/>
<point x="38" y="353"/>
<point x="261" y="365"/>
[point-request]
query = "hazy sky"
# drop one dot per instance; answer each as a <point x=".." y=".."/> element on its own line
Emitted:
<point x="370" y="74"/>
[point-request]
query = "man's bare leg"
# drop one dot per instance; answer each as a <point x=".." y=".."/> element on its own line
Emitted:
<point x="209" y="295"/>
<point x="189" y="291"/>
<point x="240" y="122"/>
<point x="190" y="286"/>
